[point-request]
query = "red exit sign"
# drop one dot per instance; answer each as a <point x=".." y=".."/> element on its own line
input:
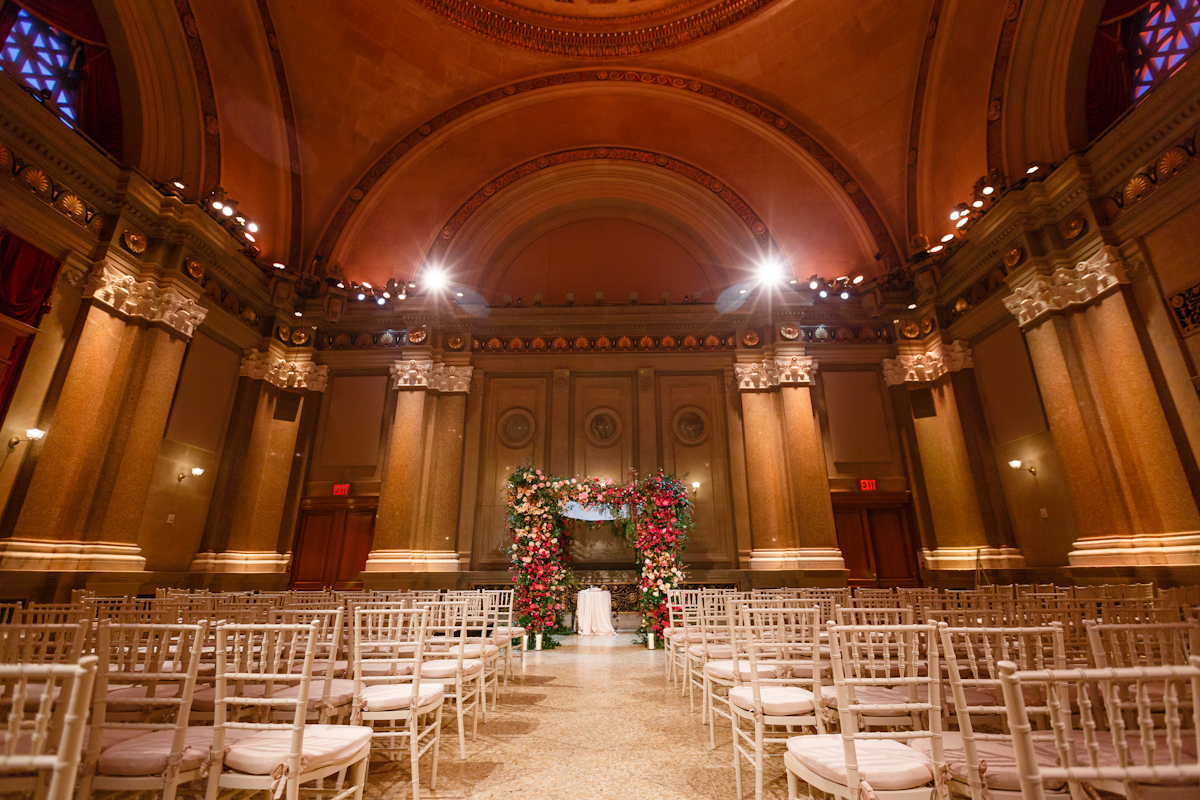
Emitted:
<point x="341" y="489"/>
<point x="866" y="484"/>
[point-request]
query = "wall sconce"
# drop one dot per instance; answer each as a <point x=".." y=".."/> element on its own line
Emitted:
<point x="695" y="488"/>
<point x="31" y="435"/>
<point x="1015" y="464"/>
<point x="196" y="473"/>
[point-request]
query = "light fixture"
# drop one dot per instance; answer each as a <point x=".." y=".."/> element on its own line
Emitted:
<point x="813" y="285"/>
<point x="435" y="279"/>
<point x="460" y="294"/>
<point x="279" y="265"/>
<point x="1032" y="169"/>
<point x="962" y="221"/>
<point x="695" y="488"/>
<point x="858" y="279"/>
<point x="937" y="248"/>
<point x="31" y="435"/>
<point x="366" y="285"/>
<point x="227" y="210"/>
<point x="239" y="219"/>
<point x="912" y="306"/>
<point x="178" y="184"/>
<point x="947" y="237"/>
<point x="380" y="301"/>
<point x="387" y="295"/>
<point x="954" y="214"/>
<point x="299" y="313"/>
<point x="823" y="293"/>
<point x="989" y="189"/>
<point x="196" y="472"/>
<point x="361" y="296"/>
<point x="248" y="235"/>
<point x="976" y="204"/>
<point x="340" y="284"/>
<point x="252" y="226"/>
<point x="743" y="291"/>
<point x="1018" y="464"/>
<point x="845" y="295"/>
<point x="770" y="271"/>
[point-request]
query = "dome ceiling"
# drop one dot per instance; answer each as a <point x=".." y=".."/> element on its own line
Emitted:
<point x="595" y="28"/>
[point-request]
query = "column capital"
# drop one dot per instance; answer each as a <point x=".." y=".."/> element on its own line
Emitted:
<point x="284" y="374"/>
<point x="436" y="377"/>
<point x="1066" y="287"/>
<point x="126" y="296"/>
<point x="927" y="367"/>
<point x="772" y="372"/>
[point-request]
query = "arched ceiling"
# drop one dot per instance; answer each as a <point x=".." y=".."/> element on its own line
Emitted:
<point x="355" y="131"/>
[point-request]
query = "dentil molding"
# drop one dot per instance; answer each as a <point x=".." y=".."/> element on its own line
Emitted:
<point x="1064" y="288"/>
<point x="928" y="366"/>
<point x="444" y="378"/>
<point x="285" y="374"/>
<point x="129" y="297"/>
<point x="772" y="372"/>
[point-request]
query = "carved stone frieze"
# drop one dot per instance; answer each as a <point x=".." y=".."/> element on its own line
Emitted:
<point x="146" y="300"/>
<point x="450" y="379"/>
<point x="411" y="374"/>
<point x="285" y="374"/>
<point x="444" y="378"/>
<point x="1077" y="286"/>
<point x="772" y="372"/>
<point x="928" y="366"/>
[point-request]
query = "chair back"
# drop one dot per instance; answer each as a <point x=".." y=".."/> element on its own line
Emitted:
<point x="44" y="643"/>
<point x="1150" y="645"/>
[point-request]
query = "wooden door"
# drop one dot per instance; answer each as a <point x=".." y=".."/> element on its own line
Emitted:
<point x="333" y="539"/>
<point x="875" y="536"/>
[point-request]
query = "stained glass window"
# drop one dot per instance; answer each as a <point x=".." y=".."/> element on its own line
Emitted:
<point x="1170" y="32"/>
<point x="40" y="57"/>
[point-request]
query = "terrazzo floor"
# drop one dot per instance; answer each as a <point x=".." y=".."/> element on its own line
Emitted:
<point x="590" y="719"/>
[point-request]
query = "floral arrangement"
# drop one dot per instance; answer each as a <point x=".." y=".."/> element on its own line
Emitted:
<point x="658" y="515"/>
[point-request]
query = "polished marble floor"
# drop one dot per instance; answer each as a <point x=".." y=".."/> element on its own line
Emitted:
<point x="591" y="719"/>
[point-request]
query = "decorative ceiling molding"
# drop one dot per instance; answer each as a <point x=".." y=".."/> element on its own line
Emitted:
<point x="296" y="240"/>
<point x="927" y="367"/>
<point x="128" y="297"/>
<point x="284" y="374"/>
<point x="765" y="116"/>
<point x="995" y="109"/>
<point x="1075" y="286"/>
<point x="608" y="43"/>
<point x="773" y="372"/>
<point x="208" y="98"/>
<point x="758" y="228"/>
<point x="914" y="129"/>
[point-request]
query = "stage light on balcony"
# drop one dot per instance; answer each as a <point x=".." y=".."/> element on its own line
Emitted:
<point x="813" y="285"/>
<point x="252" y="226"/>
<point x="298" y="313"/>
<point x="937" y="248"/>
<point x="387" y="295"/>
<point x="279" y="265"/>
<point x="178" y="184"/>
<point x="989" y="190"/>
<point x="770" y="271"/>
<point x="380" y="301"/>
<point x="977" y="204"/>
<point x="1032" y="169"/>
<point x="962" y="221"/>
<point x="948" y="237"/>
<point x="822" y="293"/>
<point x="341" y="284"/>
<point x="954" y="214"/>
<point x="460" y="294"/>
<point x="366" y="285"/>
<point x="361" y="296"/>
<point x="435" y="279"/>
<point x="248" y="235"/>
<point x="845" y="295"/>
<point x="912" y="306"/>
<point x="858" y="279"/>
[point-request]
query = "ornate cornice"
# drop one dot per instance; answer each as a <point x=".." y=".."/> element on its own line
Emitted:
<point x="758" y="228"/>
<point x="1064" y="288"/>
<point x="927" y="367"/>
<point x="422" y="374"/>
<point x="126" y="296"/>
<point x="284" y="374"/>
<point x="671" y="83"/>
<point x="208" y="98"/>
<point x="772" y="372"/>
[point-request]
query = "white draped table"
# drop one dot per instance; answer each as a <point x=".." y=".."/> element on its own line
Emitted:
<point x="593" y="613"/>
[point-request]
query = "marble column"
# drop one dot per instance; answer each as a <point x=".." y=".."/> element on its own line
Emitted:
<point x="85" y="498"/>
<point x="791" y="513"/>
<point x="1133" y="504"/>
<point x="243" y="531"/>
<point x="951" y="464"/>
<point x="407" y="540"/>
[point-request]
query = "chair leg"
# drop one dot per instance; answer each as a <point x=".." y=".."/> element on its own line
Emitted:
<point x="737" y="756"/>
<point x="758" y="760"/>
<point x="462" y="736"/>
<point x="413" y="749"/>
<point x="793" y="784"/>
<point x="437" y="746"/>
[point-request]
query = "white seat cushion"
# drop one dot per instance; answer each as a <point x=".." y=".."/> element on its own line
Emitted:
<point x="395" y="696"/>
<point x="131" y="698"/>
<point x="341" y="692"/>
<point x="150" y="753"/>
<point x="323" y="745"/>
<point x="723" y="670"/>
<point x="714" y="650"/>
<point x="1001" y="773"/>
<point x="379" y="667"/>
<point x="446" y="667"/>
<point x="474" y="650"/>
<point x="777" y="701"/>
<point x="508" y="633"/>
<point x="886" y="764"/>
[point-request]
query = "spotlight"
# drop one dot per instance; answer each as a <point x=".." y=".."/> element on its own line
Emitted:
<point x="217" y="205"/>
<point x="813" y="285"/>
<point x="989" y="189"/>
<point x="299" y="313"/>
<point x="912" y="306"/>
<point x="248" y="236"/>
<point x="1032" y="169"/>
<point x="962" y="221"/>
<point x="793" y="281"/>
<point x="770" y="271"/>
<point x="937" y="248"/>
<point x="977" y="204"/>
<point x="743" y="291"/>
<point x="252" y="226"/>
<point x="380" y="301"/>
<point x="954" y="214"/>
<point x="460" y="294"/>
<point x="858" y="279"/>
<point x="240" y="219"/>
<point x="178" y="184"/>
<point x="340" y="284"/>
<point x="366" y="285"/>
<point x="227" y="210"/>
<point x="823" y="293"/>
<point x="435" y="279"/>
<point x="362" y="296"/>
<point x="947" y="237"/>
<point x="845" y="295"/>
<point x="387" y="295"/>
<point x="281" y="265"/>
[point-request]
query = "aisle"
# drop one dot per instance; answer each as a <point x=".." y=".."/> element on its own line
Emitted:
<point x="590" y="719"/>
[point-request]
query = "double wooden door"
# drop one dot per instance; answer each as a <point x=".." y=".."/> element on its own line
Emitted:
<point x="332" y="542"/>
<point x="875" y="534"/>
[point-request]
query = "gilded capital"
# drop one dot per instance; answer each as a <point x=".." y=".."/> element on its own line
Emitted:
<point x="1064" y="288"/>
<point x="126" y="296"/>
<point x="928" y="366"/>
<point x="261" y="366"/>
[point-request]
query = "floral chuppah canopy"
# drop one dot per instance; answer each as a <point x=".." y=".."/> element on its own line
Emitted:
<point x="655" y="515"/>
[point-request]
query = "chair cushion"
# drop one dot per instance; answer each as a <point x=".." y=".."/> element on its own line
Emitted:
<point x="379" y="668"/>
<point x="341" y="692"/>
<point x="323" y="745"/>
<point x="508" y="633"/>
<point x="723" y="670"/>
<point x="150" y="753"/>
<point x="395" y="696"/>
<point x="886" y="764"/>
<point x="474" y="650"/>
<point x="777" y="701"/>
<point x="714" y="650"/>
<point x="446" y="667"/>
<point x="1001" y="773"/>
<point x="132" y="698"/>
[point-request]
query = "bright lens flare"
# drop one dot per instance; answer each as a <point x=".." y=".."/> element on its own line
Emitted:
<point x="770" y="272"/>
<point x="435" y="279"/>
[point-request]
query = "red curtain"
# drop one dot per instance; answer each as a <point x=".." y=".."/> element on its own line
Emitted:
<point x="27" y="277"/>
<point x="1110" y="81"/>
<point x="97" y="97"/>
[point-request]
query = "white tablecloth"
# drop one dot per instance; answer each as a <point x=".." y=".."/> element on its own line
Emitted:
<point x="593" y="613"/>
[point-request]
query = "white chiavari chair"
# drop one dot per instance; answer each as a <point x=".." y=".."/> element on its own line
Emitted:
<point x="886" y="665"/>
<point x="685" y="630"/>
<point x="256" y="747"/>
<point x="139" y="738"/>
<point x="42" y="740"/>
<point x="1150" y="645"/>
<point x="403" y="711"/>
<point x="714" y="645"/>
<point x="780" y="645"/>
<point x="462" y="677"/>
<point x="477" y="644"/>
<point x="506" y="631"/>
<point x="1122" y="745"/>
<point x="877" y="764"/>
<point x="331" y="693"/>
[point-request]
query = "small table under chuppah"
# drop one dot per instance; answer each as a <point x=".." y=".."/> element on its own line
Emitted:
<point x="593" y="613"/>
